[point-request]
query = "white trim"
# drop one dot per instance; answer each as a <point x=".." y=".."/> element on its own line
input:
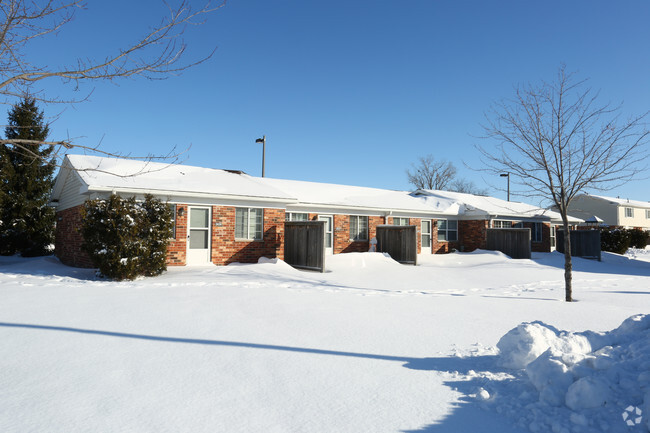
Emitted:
<point x="328" y="250"/>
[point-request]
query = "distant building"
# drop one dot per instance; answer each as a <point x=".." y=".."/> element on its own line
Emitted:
<point x="612" y="211"/>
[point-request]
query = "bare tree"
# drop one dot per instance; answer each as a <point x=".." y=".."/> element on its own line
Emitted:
<point x="157" y="54"/>
<point x="557" y="140"/>
<point x="466" y="186"/>
<point x="431" y="174"/>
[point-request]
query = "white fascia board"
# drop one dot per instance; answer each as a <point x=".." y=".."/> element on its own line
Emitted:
<point x="358" y="210"/>
<point x="535" y="218"/>
<point x="183" y="197"/>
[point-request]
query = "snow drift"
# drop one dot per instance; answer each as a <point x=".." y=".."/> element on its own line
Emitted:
<point x="582" y="381"/>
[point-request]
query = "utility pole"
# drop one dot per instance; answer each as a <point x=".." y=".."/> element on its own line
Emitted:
<point x="263" y="141"/>
<point x="508" y="176"/>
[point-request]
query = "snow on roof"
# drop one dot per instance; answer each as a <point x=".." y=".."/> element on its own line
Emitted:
<point x="100" y="173"/>
<point x="107" y="174"/>
<point x="476" y="205"/>
<point x="327" y="194"/>
<point x="622" y="201"/>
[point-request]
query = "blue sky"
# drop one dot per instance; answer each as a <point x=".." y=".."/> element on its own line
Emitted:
<point x="347" y="92"/>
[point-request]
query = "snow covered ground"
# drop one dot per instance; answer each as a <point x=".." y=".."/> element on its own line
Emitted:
<point x="369" y="346"/>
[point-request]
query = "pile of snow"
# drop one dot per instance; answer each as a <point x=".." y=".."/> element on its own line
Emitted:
<point x="639" y="254"/>
<point x="582" y="381"/>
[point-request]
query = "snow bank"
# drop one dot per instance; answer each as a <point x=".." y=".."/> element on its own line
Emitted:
<point x="355" y="261"/>
<point x="583" y="381"/>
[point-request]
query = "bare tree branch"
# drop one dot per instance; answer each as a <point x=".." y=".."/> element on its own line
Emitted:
<point x="157" y="54"/>
<point x="557" y="140"/>
<point x="431" y="174"/>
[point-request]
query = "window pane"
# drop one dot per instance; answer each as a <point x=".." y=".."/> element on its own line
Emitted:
<point x="198" y="239"/>
<point x="452" y="225"/>
<point x="256" y="223"/>
<point x="172" y="208"/>
<point x="354" y="227"/>
<point x="199" y="218"/>
<point x="442" y="225"/>
<point x="442" y="235"/>
<point x="363" y="228"/>
<point x="452" y="235"/>
<point x="426" y="227"/>
<point x="426" y="240"/>
<point x="241" y="219"/>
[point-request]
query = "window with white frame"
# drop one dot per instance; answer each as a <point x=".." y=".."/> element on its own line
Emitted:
<point x="398" y="221"/>
<point x="552" y="235"/>
<point x="172" y="208"/>
<point x="507" y="224"/>
<point x="248" y="223"/>
<point x="647" y="214"/>
<point x="536" y="232"/>
<point x="426" y="233"/>
<point x="447" y="230"/>
<point x="294" y="216"/>
<point x="358" y="228"/>
<point x="629" y="212"/>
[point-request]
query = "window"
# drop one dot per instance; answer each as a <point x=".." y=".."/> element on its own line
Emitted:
<point x="358" y="228"/>
<point x="552" y="236"/>
<point x="507" y="224"/>
<point x="426" y="234"/>
<point x="447" y="230"/>
<point x="647" y="214"/>
<point x="536" y="232"/>
<point x="172" y="208"/>
<point x="248" y="223"/>
<point x="293" y="216"/>
<point x="397" y="221"/>
<point x="629" y="212"/>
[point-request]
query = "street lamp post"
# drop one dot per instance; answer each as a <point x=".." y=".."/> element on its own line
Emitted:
<point x="508" y="176"/>
<point x="263" y="141"/>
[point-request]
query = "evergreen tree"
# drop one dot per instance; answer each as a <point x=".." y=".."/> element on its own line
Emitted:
<point x="26" y="179"/>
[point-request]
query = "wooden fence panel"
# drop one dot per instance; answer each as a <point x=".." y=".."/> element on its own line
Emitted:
<point x="304" y="244"/>
<point x="400" y="242"/>
<point x="514" y="243"/>
<point x="584" y="243"/>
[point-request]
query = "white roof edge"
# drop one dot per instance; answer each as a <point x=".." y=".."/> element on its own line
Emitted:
<point x="175" y="193"/>
<point x="308" y="205"/>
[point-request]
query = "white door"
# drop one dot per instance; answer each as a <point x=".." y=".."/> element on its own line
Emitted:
<point x="426" y="237"/>
<point x="198" y="237"/>
<point x="329" y="233"/>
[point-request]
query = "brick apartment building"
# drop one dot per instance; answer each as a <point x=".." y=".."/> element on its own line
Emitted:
<point x="223" y="216"/>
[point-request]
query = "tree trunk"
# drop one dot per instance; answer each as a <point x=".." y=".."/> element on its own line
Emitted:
<point x="568" y="266"/>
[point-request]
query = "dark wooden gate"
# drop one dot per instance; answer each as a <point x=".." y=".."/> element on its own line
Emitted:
<point x="400" y="242"/>
<point x="584" y="243"/>
<point x="514" y="243"/>
<point x="304" y="244"/>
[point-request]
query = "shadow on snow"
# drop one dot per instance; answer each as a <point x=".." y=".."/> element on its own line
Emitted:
<point x="465" y="416"/>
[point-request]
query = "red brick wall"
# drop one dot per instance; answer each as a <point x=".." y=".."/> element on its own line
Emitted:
<point x="472" y="234"/>
<point x="177" y="248"/>
<point x="68" y="239"/>
<point x="342" y="242"/>
<point x="225" y="249"/>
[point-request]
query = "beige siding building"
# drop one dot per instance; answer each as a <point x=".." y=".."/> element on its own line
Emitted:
<point x="613" y="211"/>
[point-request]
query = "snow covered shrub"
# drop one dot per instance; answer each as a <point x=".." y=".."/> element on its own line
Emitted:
<point x="619" y="240"/>
<point x="638" y="238"/>
<point x="615" y="241"/>
<point x="124" y="238"/>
